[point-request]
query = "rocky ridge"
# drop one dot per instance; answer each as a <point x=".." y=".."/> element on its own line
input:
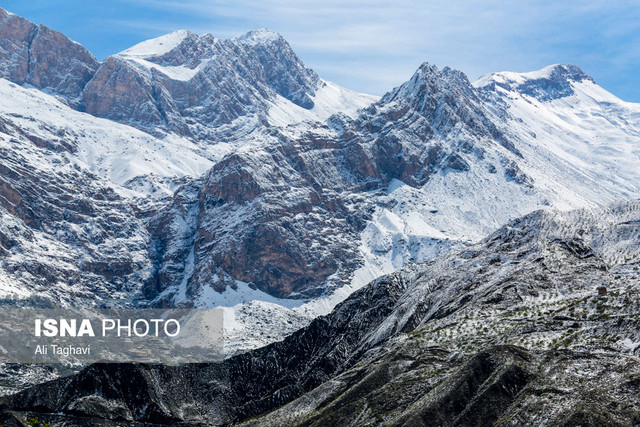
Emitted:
<point x="181" y="83"/>
<point x="38" y="56"/>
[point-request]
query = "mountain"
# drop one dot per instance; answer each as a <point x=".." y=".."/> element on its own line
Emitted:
<point x="199" y="87"/>
<point x="226" y="173"/>
<point x="567" y="114"/>
<point x="436" y="163"/>
<point x="538" y="322"/>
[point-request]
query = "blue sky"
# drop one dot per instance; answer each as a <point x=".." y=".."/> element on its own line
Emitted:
<point x="372" y="46"/>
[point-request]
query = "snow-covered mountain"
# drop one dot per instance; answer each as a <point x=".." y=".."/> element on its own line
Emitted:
<point x="207" y="89"/>
<point x="193" y="85"/>
<point x="570" y="126"/>
<point x="229" y="174"/>
<point x="435" y="164"/>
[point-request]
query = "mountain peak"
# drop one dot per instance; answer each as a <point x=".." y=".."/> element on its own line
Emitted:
<point x="549" y="83"/>
<point x="554" y="71"/>
<point x="430" y="82"/>
<point x="566" y="71"/>
<point x="259" y="36"/>
<point x="159" y="45"/>
<point x="5" y="12"/>
<point x="41" y="57"/>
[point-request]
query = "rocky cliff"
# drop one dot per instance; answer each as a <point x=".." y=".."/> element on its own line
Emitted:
<point x="38" y="56"/>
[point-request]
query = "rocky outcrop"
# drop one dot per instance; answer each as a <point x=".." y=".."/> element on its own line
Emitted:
<point x="43" y="58"/>
<point x="119" y="92"/>
<point x="17" y="34"/>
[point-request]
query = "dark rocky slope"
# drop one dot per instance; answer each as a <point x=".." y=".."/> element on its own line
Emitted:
<point x="512" y="330"/>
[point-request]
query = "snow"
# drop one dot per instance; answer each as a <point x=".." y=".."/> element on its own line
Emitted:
<point x="518" y="78"/>
<point x="259" y="36"/>
<point x="158" y="46"/>
<point x="328" y="100"/>
<point x="178" y="72"/>
<point x="10" y="289"/>
<point x="116" y="152"/>
<point x="143" y="53"/>
<point x="244" y="293"/>
<point x="580" y="149"/>
<point x="252" y="318"/>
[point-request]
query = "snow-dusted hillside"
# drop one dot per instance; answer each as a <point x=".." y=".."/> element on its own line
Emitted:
<point x="118" y="154"/>
<point x="537" y="323"/>
<point x="579" y="142"/>
<point x="70" y="228"/>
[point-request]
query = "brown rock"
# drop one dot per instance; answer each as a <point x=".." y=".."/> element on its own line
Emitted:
<point x="42" y="57"/>
<point x="16" y="34"/>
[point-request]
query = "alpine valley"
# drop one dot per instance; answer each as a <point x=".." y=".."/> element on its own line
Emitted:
<point x="344" y="235"/>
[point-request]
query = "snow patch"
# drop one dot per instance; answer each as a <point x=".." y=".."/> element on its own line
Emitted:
<point x="328" y="100"/>
<point x="259" y="36"/>
<point x="159" y="45"/>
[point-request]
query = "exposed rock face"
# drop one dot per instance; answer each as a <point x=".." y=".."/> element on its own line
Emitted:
<point x="225" y="80"/>
<point x="286" y="214"/>
<point x="445" y="99"/>
<point x="43" y="58"/>
<point x="200" y="84"/>
<point x="507" y="330"/>
<point x="118" y="92"/>
<point x="58" y="64"/>
<point x="16" y="35"/>
<point x="62" y="234"/>
<point x="324" y="182"/>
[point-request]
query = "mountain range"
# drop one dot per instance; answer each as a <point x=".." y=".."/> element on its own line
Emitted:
<point x="192" y="171"/>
